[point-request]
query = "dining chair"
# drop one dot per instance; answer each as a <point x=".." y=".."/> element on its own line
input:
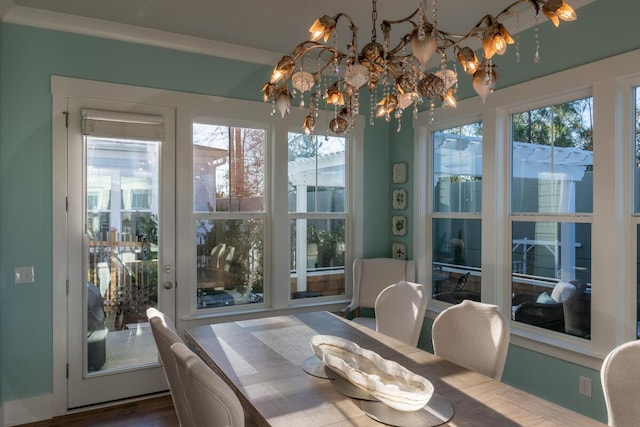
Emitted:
<point x="370" y="277"/>
<point x="620" y="376"/>
<point x="211" y="401"/>
<point x="400" y="311"/>
<point x="474" y="335"/>
<point x="165" y="335"/>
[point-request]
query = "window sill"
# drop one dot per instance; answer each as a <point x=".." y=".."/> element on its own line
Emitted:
<point x="252" y="311"/>
<point x="558" y="345"/>
<point x="561" y="346"/>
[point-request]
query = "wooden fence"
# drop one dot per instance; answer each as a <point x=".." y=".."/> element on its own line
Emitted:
<point x="126" y="273"/>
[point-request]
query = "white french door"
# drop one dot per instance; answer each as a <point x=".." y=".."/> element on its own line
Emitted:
<point x="120" y="239"/>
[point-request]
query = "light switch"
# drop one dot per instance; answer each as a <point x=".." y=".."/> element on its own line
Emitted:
<point x="24" y="275"/>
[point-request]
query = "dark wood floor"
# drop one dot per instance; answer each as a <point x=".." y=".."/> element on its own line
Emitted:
<point x="153" y="412"/>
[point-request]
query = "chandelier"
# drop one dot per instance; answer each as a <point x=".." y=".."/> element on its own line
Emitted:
<point x="319" y="69"/>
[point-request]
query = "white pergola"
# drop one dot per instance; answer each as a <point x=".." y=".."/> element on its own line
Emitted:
<point x="556" y="169"/>
<point x="325" y="170"/>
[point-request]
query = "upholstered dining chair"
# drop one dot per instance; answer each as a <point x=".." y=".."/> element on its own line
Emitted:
<point x="474" y="335"/>
<point x="211" y="401"/>
<point x="370" y="277"/>
<point x="620" y="376"/>
<point x="400" y="311"/>
<point x="165" y="335"/>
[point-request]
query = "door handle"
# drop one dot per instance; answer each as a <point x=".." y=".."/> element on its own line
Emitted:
<point x="168" y="284"/>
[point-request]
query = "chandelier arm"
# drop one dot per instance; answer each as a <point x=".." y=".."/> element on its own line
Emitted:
<point x="449" y="38"/>
<point x="352" y="27"/>
<point x="507" y="10"/>
<point x="337" y="54"/>
<point x="404" y="60"/>
<point x="403" y="42"/>
<point x="403" y="20"/>
<point x="347" y="17"/>
<point x="307" y="46"/>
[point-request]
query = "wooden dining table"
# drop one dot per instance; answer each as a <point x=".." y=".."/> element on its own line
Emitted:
<point x="262" y="360"/>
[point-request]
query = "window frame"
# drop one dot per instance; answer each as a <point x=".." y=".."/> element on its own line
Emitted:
<point x="432" y="213"/>
<point x="613" y="260"/>
<point x="542" y="217"/>
<point x="322" y="215"/>
<point x="264" y="216"/>
<point x="249" y="114"/>
<point x="629" y="305"/>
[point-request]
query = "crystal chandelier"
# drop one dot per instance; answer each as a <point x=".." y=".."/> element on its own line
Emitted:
<point x="319" y="70"/>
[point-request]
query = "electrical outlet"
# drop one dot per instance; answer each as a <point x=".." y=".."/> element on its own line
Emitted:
<point x="584" y="386"/>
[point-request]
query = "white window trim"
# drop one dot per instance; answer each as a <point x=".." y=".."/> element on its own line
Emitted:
<point x="613" y="260"/>
<point x="241" y="113"/>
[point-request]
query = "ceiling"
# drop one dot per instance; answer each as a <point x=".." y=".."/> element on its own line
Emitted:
<point x="275" y="26"/>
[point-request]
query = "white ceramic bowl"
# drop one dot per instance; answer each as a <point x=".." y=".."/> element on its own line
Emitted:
<point x="386" y="380"/>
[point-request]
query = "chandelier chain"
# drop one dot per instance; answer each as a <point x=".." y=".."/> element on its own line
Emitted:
<point x="374" y="18"/>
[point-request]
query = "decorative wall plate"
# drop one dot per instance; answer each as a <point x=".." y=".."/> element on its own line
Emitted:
<point x="399" y="225"/>
<point x="399" y="250"/>
<point x="399" y="173"/>
<point x="400" y="199"/>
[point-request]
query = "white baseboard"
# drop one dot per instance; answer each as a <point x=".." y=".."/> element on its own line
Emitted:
<point x="26" y="410"/>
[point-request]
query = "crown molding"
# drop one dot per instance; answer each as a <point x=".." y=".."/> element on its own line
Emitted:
<point x="130" y="33"/>
<point x="5" y="6"/>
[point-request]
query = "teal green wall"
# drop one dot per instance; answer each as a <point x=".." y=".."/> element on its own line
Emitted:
<point x="555" y="380"/>
<point x="28" y="58"/>
<point x="548" y="377"/>
<point x="603" y="29"/>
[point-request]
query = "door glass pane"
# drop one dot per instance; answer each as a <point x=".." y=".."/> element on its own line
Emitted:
<point x="121" y="251"/>
<point x="636" y="197"/>
<point x="230" y="268"/>
<point x="551" y="284"/>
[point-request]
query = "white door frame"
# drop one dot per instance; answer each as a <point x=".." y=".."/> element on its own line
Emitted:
<point x="94" y="95"/>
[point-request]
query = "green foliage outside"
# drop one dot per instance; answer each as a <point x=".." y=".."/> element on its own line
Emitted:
<point x="563" y="125"/>
<point x="246" y="237"/>
<point x="330" y="245"/>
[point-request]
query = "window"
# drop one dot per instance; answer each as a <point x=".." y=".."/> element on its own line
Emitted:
<point x="457" y="203"/>
<point x="122" y="153"/>
<point x="229" y="213"/>
<point x="317" y="211"/>
<point x="547" y="217"/>
<point x="551" y="206"/>
<point x="263" y="213"/>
